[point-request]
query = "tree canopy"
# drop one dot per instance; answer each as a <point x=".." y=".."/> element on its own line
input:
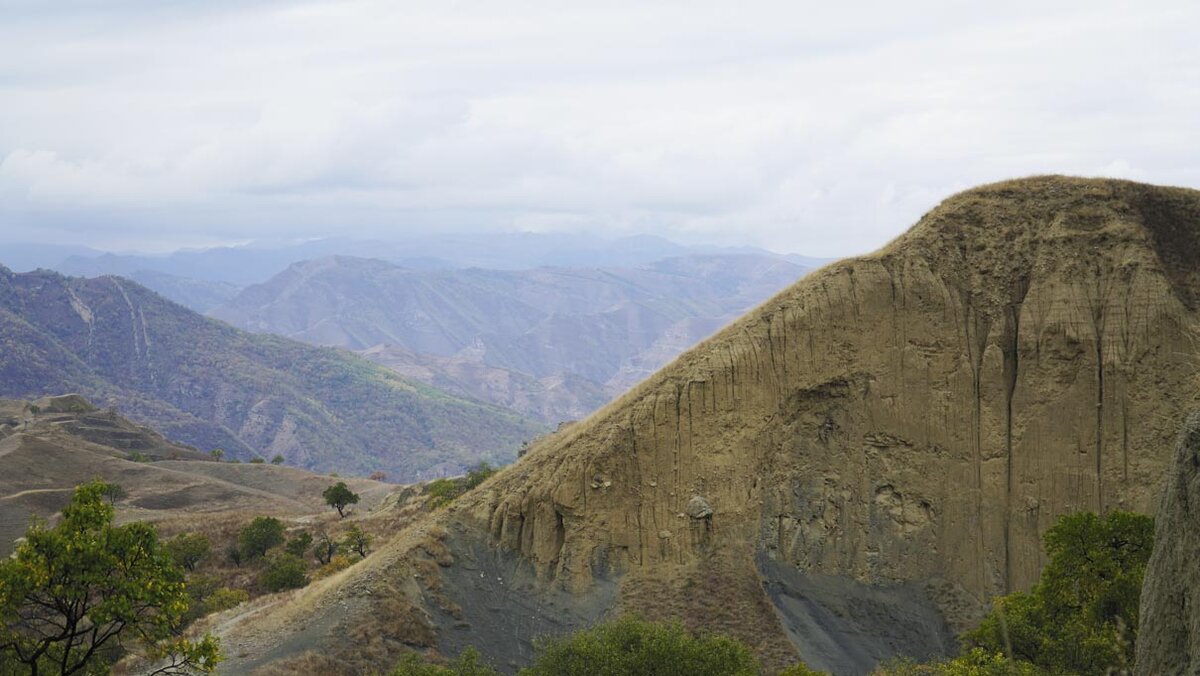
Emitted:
<point x="339" y="496"/>
<point x="1082" y="616"/>
<point x="75" y="596"/>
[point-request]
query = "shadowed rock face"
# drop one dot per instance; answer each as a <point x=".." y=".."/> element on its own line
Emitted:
<point x="1169" y="631"/>
<point x="894" y="432"/>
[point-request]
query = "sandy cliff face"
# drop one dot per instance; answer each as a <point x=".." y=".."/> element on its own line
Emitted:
<point x="924" y="413"/>
<point x="878" y="448"/>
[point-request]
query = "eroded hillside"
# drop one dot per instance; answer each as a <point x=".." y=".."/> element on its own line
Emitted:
<point x="852" y="470"/>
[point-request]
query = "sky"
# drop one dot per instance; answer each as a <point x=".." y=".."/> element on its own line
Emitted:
<point x="794" y="126"/>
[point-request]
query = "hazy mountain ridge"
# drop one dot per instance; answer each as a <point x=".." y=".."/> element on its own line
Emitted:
<point x="205" y="383"/>
<point x="554" y="343"/>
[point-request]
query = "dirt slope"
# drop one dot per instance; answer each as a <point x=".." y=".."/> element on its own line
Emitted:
<point x="849" y="471"/>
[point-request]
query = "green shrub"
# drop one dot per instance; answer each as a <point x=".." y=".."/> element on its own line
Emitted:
<point x="478" y="474"/>
<point x="358" y="541"/>
<point x="631" y="646"/>
<point x="260" y="536"/>
<point x="1082" y="616"/>
<point x="277" y="460"/>
<point x="974" y="662"/>
<point x="442" y="491"/>
<point x="299" y="543"/>
<point x="284" y="571"/>
<point x="468" y="664"/>
<point x="188" y="549"/>
<point x="256" y="460"/>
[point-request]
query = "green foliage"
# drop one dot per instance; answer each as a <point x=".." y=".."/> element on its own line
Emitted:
<point x="259" y="536"/>
<point x="478" y="474"/>
<point x="208" y="596"/>
<point x="137" y="456"/>
<point x="188" y="549"/>
<point x="277" y="460"/>
<point x="358" y="541"/>
<point x="630" y="646"/>
<point x="298" y="545"/>
<point x="114" y="493"/>
<point x="469" y="663"/>
<point x="217" y="454"/>
<point x="339" y="496"/>
<point x="73" y="596"/>
<point x="284" y="571"/>
<point x="444" y="491"/>
<point x="1082" y="616"/>
<point x="256" y="460"/>
<point x="974" y="662"/>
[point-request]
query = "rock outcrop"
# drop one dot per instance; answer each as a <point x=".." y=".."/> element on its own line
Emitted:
<point x="880" y="447"/>
<point x="1169" y="632"/>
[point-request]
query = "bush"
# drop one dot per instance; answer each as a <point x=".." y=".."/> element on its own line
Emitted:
<point x="1082" y="616"/>
<point x="337" y="563"/>
<point x="277" y="460"/>
<point x="188" y="549"/>
<point x="257" y="461"/>
<point x="975" y="662"/>
<point x="468" y="664"/>
<point x="801" y="670"/>
<point x="631" y="646"/>
<point x="442" y="491"/>
<point x="260" y="536"/>
<point x="478" y="474"/>
<point x="284" y="571"/>
<point x="299" y="544"/>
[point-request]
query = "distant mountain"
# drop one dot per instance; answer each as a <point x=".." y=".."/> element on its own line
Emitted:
<point x="200" y="295"/>
<point x="553" y="343"/>
<point x="207" y="384"/>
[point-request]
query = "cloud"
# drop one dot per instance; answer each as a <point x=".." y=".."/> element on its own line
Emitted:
<point x="795" y="126"/>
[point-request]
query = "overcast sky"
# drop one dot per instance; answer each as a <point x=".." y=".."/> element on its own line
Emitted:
<point x="794" y="126"/>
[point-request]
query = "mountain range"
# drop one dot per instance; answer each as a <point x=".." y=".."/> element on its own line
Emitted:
<point x="551" y="343"/>
<point x="204" y="383"/>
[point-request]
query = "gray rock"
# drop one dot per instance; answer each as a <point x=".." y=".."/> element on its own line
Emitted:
<point x="698" y="508"/>
<point x="1169" y="635"/>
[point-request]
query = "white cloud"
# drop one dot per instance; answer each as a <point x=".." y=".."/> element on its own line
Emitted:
<point x="794" y="126"/>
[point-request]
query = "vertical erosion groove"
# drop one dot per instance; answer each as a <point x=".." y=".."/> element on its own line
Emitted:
<point x="1012" y="365"/>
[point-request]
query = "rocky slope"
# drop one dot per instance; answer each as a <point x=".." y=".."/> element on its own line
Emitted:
<point x="851" y="470"/>
<point x="1169" y="631"/>
<point x="209" y="385"/>
<point x="551" y="343"/>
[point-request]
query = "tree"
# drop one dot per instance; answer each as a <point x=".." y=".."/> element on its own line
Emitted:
<point x="188" y="549"/>
<point x="1082" y="616"/>
<point x="284" y="571"/>
<point x="299" y="543"/>
<point x="378" y="475"/>
<point x="632" y="646"/>
<point x="256" y="460"/>
<point x="71" y="595"/>
<point x="277" y="460"/>
<point x="217" y="454"/>
<point x="358" y="541"/>
<point x="326" y="547"/>
<point x="114" y="493"/>
<point x="259" y="536"/>
<point x="339" y="496"/>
